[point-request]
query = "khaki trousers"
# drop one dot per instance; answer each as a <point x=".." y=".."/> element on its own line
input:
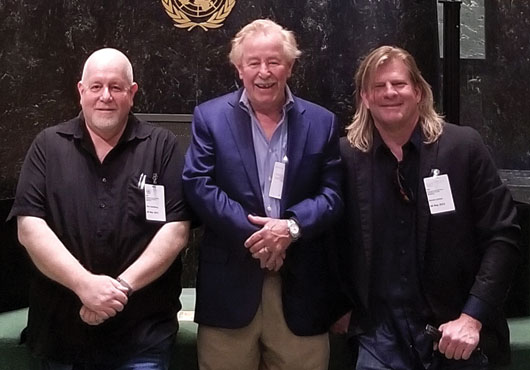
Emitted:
<point x="265" y="344"/>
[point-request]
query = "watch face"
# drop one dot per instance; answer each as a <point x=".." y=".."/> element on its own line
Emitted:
<point x="294" y="230"/>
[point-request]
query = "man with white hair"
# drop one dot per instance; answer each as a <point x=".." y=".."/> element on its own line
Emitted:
<point x="263" y="174"/>
<point x="100" y="212"/>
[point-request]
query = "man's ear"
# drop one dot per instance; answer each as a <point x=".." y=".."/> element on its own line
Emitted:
<point x="80" y="89"/>
<point x="364" y="99"/>
<point x="290" y="70"/>
<point x="134" y="88"/>
<point x="239" y="71"/>
<point x="418" y="94"/>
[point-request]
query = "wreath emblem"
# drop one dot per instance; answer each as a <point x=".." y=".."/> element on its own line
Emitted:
<point x="198" y="13"/>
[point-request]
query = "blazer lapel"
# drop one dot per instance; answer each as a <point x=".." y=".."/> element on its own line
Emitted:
<point x="298" y="127"/>
<point x="428" y="154"/>
<point x="364" y="170"/>
<point x="240" y="126"/>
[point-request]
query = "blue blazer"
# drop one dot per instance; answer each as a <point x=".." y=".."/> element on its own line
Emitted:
<point x="221" y="184"/>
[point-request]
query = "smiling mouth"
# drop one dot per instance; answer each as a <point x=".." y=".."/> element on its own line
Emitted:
<point x="265" y="85"/>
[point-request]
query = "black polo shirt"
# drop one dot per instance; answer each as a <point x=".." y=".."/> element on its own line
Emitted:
<point x="98" y="212"/>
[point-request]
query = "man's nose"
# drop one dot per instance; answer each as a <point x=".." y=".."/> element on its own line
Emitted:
<point x="105" y="94"/>
<point x="390" y="89"/>
<point x="264" y="69"/>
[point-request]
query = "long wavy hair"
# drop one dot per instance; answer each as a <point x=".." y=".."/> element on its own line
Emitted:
<point x="360" y="131"/>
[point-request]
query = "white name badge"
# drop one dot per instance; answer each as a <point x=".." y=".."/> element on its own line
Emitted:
<point x="275" y="190"/>
<point x="155" y="203"/>
<point x="439" y="194"/>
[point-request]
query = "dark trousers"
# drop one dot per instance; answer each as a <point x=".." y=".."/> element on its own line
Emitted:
<point x="156" y="358"/>
<point x="477" y="361"/>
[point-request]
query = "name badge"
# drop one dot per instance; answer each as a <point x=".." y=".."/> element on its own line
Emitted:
<point x="155" y="203"/>
<point x="439" y="194"/>
<point x="275" y="190"/>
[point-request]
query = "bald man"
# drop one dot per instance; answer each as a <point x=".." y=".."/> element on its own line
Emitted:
<point x="100" y="211"/>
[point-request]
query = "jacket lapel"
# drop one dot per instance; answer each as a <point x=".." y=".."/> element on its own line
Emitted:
<point x="428" y="154"/>
<point x="240" y="126"/>
<point x="298" y="127"/>
<point x="364" y="170"/>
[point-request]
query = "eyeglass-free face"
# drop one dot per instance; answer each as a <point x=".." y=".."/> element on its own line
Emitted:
<point x="392" y="97"/>
<point x="106" y="97"/>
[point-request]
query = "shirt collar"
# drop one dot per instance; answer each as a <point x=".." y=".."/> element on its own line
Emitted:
<point x="415" y="139"/>
<point x="133" y="130"/>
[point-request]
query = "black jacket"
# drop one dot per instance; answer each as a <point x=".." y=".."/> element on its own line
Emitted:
<point x="472" y="251"/>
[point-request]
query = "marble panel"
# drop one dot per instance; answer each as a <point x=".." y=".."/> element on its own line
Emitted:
<point x="495" y="91"/>
<point x="44" y="44"/>
<point x="472" y="37"/>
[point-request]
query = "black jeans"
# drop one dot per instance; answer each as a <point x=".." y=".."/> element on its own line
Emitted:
<point x="156" y="358"/>
<point x="477" y="361"/>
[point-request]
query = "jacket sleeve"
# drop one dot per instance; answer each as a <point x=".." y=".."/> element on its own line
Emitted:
<point x="496" y="227"/>
<point x="212" y="204"/>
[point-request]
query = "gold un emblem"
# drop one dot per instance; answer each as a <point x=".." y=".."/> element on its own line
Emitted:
<point x="198" y="13"/>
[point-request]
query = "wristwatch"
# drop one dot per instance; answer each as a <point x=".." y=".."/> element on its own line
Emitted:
<point x="126" y="285"/>
<point x="294" y="229"/>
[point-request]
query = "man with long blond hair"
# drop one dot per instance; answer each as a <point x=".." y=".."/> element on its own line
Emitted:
<point x="431" y="229"/>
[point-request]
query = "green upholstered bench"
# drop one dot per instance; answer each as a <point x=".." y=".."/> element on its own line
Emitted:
<point x="184" y="354"/>
<point x="520" y="343"/>
<point x="14" y="356"/>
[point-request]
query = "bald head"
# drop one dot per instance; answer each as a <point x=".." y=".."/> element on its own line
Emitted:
<point x="108" y="57"/>
<point x="106" y="93"/>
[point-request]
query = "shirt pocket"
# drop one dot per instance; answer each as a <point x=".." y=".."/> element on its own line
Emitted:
<point x="136" y="199"/>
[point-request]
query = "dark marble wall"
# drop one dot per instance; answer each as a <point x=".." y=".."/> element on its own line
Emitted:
<point x="44" y="43"/>
<point x="496" y="90"/>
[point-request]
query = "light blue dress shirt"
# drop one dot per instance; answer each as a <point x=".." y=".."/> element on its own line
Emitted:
<point x="269" y="152"/>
